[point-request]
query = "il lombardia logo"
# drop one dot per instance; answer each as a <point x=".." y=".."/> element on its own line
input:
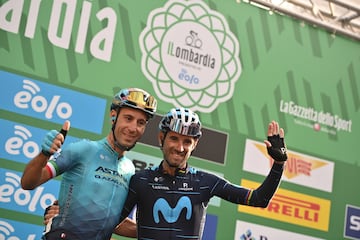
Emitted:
<point x="190" y="55"/>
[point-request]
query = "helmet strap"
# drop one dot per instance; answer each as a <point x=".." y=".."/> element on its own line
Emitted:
<point x="163" y="139"/>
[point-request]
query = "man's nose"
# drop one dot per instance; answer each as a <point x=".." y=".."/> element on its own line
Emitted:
<point x="133" y="126"/>
<point x="180" y="147"/>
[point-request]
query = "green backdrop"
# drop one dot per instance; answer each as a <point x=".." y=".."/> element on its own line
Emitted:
<point x="282" y="60"/>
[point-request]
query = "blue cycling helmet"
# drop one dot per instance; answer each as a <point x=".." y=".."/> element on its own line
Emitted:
<point x="135" y="98"/>
<point x="182" y="121"/>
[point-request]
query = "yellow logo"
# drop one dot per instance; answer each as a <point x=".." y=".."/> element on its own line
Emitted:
<point x="292" y="207"/>
<point x="296" y="164"/>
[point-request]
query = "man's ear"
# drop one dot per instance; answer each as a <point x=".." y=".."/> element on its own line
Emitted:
<point x="196" y="142"/>
<point x="161" y="138"/>
<point x="112" y="116"/>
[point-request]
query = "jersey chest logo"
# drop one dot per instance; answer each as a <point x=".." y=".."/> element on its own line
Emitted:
<point x="170" y="214"/>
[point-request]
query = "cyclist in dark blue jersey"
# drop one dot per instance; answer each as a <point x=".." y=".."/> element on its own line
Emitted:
<point x="95" y="174"/>
<point x="172" y="198"/>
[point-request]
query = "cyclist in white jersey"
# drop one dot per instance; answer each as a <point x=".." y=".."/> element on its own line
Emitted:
<point x="95" y="174"/>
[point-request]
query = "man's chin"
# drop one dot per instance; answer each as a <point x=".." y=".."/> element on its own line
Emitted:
<point x="128" y="144"/>
<point x="176" y="163"/>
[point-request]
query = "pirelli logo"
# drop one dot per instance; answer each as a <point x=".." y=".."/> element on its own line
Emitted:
<point x="292" y="207"/>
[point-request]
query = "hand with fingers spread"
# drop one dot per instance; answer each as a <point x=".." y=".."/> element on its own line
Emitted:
<point x="54" y="139"/>
<point x="275" y="144"/>
<point x="180" y="131"/>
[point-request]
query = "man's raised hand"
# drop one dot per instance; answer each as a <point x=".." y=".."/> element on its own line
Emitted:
<point x="275" y="144"/>
<point x="54" y="139"/>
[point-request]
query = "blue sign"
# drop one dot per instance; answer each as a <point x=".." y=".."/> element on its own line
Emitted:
<point x="21" y="143"/>
<point x="51" y="103"/>
<point x="210" y="227"/>
<point x="13" y="197"/>
<point x="19" y="230"/>
<point x="352" y="222"/>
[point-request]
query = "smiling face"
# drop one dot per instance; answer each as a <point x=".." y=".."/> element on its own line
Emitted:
<point x="176" y="149"/>
<point x="129" y="127"/>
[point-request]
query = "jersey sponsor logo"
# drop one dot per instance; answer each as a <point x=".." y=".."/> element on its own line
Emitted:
<point x="352" y="222"/>
<point x="170" y="214"/>
<point x="159" y="187"/>
<point x="186" y="187"/>
<point x="292" y="207"/>
<point x="50" y="102"/>
<point x="111" y="175"/>
<point x="301" y="169"/>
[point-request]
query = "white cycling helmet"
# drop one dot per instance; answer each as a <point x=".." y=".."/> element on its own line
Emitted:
<point x="182" y="121"/>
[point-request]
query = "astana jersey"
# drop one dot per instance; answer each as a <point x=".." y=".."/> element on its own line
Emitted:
<point x="93" y="189"/>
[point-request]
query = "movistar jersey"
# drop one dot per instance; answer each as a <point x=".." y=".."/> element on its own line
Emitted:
<point x="93" y="189"/>
<point x="174" y="207"/>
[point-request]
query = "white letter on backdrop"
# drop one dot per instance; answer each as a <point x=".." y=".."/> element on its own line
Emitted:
<point x="63" y="40"/>
<point x="105" y="36"/>
<point x="14" y="8"/>
<point x="83" y="27"/>
<point x="32" y="18"/>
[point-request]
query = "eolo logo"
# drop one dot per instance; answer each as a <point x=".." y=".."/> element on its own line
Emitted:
<point x="30" y="98"/>
<point x="190" y="55"/>
<point x="12" y="193"/>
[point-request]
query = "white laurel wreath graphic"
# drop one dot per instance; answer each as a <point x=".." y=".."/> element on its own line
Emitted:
<point x="159" y="21"/>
